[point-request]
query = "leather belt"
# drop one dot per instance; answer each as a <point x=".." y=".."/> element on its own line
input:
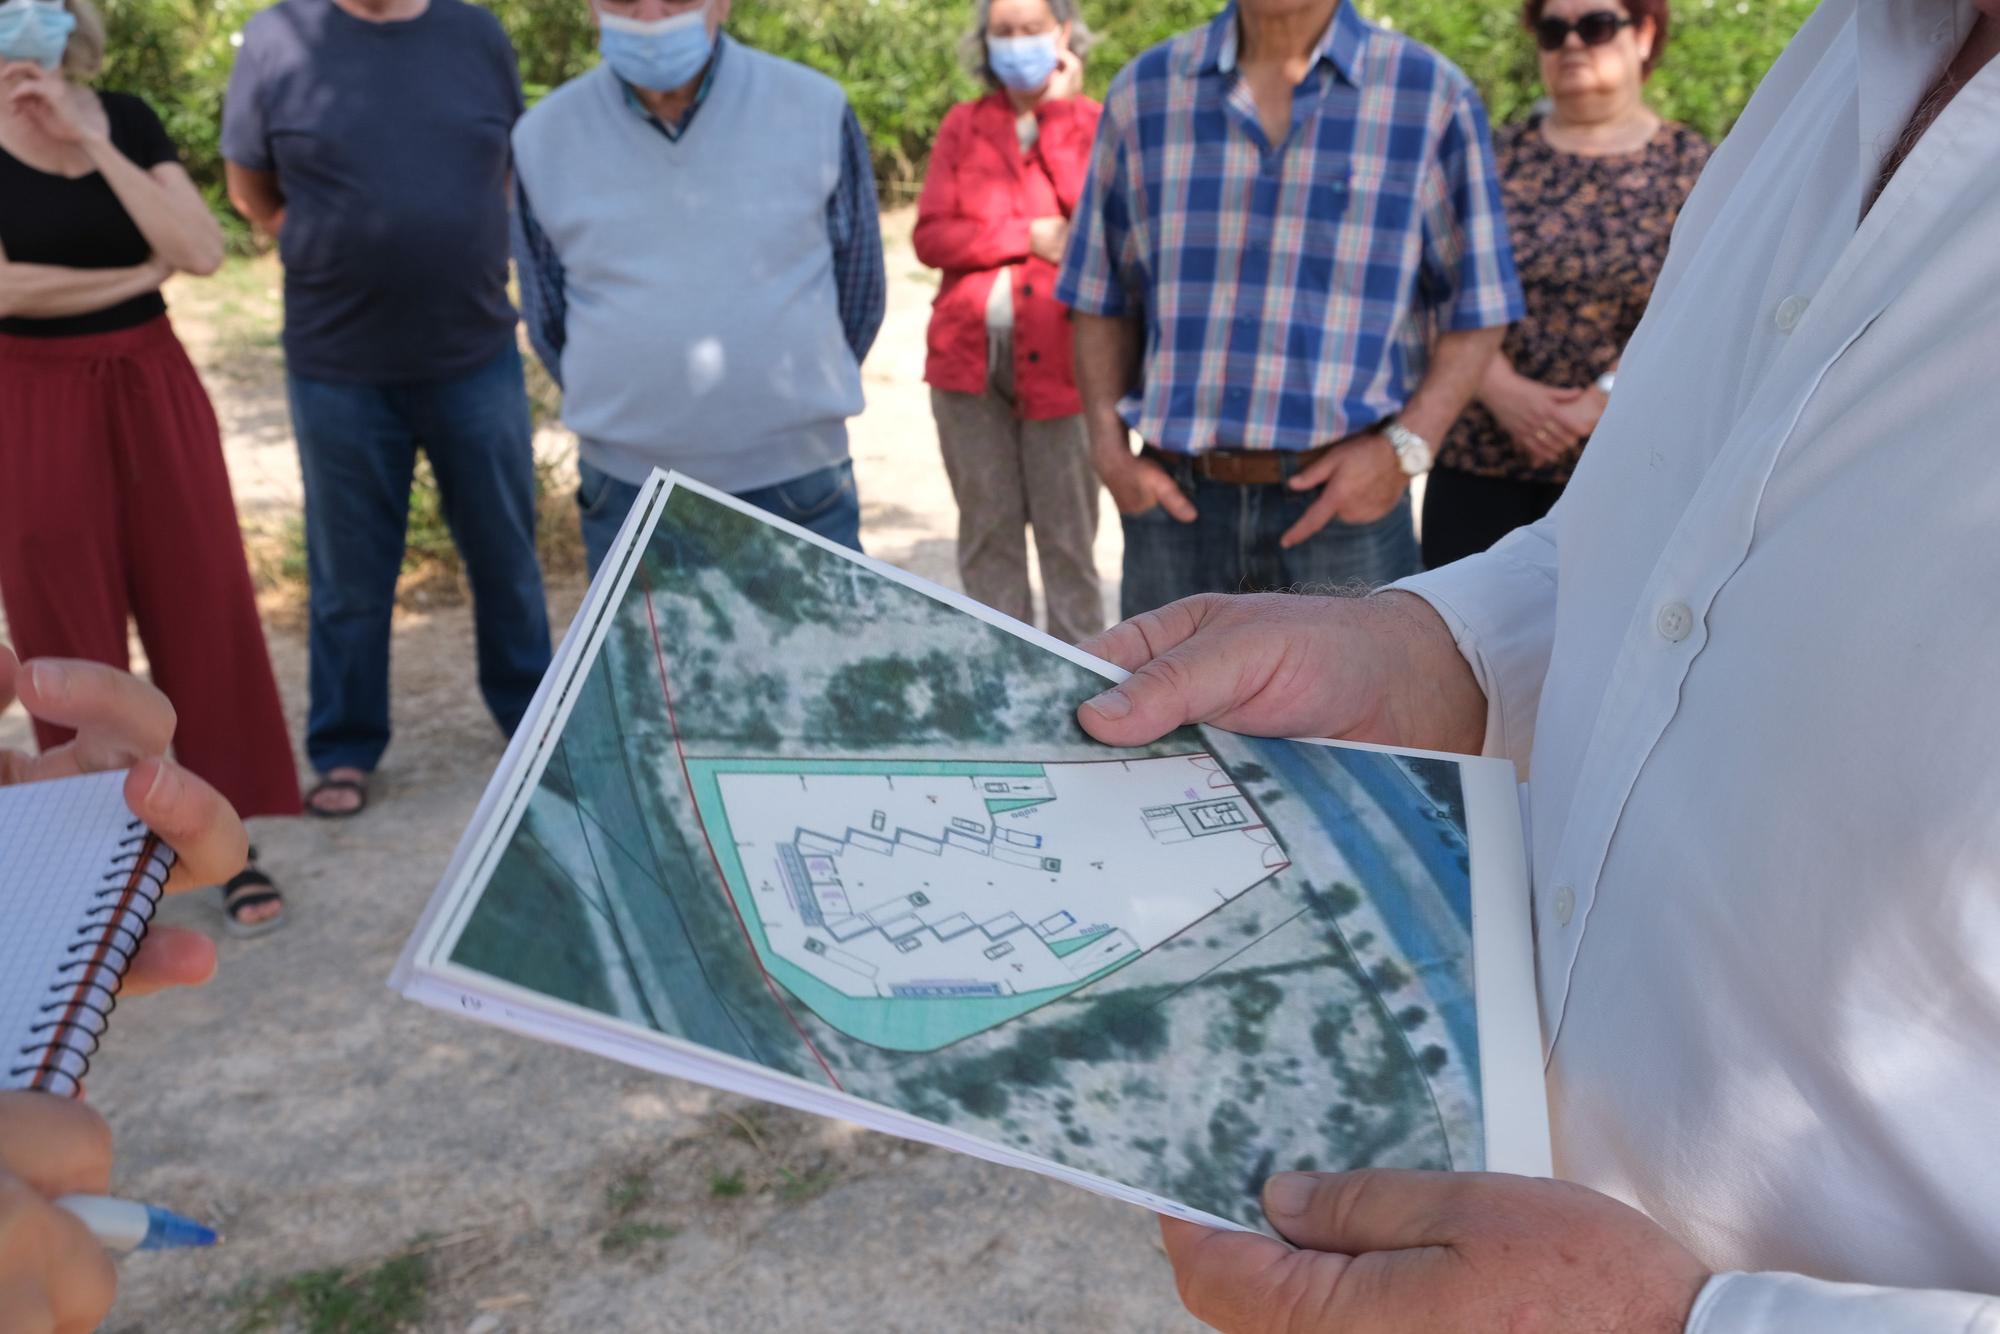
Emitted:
<point x="1241" y="467"/>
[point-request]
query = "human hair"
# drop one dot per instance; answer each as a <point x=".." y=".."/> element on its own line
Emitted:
<point x="972" y="50"/>
<point x="84" y="56"/>
<point x="1638" y="10"/>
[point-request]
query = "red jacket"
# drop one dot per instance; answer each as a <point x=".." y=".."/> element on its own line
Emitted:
<point x="980" y="194"/>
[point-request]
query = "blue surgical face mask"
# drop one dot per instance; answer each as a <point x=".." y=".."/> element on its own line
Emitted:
<point x="36" y="30"/>
<point x="658" y="56"/>
<point x="1023" y="63"/>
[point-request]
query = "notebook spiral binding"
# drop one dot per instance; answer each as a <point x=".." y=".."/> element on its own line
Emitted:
<point x="86" y="987"/>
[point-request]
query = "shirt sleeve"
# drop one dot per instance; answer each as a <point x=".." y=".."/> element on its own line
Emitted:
<point x="1101" y="274"/>
<point x="1501" y="610"/>
<point x="510" y="65"/>
<point x="1782" y="1303"/>
<point x="143" y="138"/>
<point x="246" y="137"/>
<point x="855" y="224"/>
<point x="1467" y="273"/>
<point x="544" y="302"/>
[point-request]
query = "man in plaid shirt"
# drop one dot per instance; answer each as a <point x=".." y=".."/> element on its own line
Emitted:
<point x="1288" y="271"/>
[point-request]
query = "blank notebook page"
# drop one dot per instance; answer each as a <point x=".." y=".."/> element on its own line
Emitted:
<point x="58" y="843"/>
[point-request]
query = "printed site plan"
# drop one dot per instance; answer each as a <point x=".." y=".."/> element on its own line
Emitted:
<point x="794" y="824"/>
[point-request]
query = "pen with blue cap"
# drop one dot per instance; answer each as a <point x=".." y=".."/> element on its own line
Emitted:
<point x="122" y="1226"/>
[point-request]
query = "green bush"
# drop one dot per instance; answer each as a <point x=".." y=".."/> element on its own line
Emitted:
<point x="898" y="59"/>
<point x="1716" y="52"/>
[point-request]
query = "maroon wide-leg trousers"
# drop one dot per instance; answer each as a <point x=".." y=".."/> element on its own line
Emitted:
<point x="115" y="504"/>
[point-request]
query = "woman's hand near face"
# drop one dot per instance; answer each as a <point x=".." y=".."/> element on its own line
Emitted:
<point x="1067" y="81"/>
<point x="58" y="108"/>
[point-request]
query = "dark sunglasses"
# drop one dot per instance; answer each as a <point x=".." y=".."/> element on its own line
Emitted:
<point x="1595" y="28"/>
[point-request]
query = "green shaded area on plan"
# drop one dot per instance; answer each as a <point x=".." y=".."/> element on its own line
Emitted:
<point x="895" y="1023"/>
<point x="1064" y="948"/>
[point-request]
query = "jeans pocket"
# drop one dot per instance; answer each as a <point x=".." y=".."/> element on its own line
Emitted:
<point x="817" y="494"/>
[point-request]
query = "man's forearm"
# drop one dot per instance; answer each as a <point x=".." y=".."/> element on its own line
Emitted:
<point x="1494" y="380"/>
<point x="1107" y="366"/>
<point x="256" y="196"/>
<point x="1459" y="363"/>
<point x="51" y="291"/>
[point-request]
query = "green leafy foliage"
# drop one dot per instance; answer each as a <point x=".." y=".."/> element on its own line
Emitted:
<point x="1717" y="51"/>
<point x="898" y="59"/>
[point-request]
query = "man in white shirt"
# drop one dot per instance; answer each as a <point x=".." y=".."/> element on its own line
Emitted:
<point x="1750" y="656"/>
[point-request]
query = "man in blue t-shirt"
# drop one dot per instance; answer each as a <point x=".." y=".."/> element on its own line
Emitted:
<point x="371" y="138"/>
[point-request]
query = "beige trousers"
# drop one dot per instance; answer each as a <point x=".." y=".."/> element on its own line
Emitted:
<point x="1007" y="475"/>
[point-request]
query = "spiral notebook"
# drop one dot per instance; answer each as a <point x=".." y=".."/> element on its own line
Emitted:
<point x="79" y="881"/>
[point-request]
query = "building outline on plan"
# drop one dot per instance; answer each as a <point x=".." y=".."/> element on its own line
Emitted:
<point x="914" y="903"/>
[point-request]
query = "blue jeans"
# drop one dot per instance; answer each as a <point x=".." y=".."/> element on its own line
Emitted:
<point x="1232" y="547"/>
<point x="358" y="450"/>
<point x="824" y="501"/>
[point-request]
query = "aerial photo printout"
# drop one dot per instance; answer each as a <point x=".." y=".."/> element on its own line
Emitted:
<point x="808" y="816"/>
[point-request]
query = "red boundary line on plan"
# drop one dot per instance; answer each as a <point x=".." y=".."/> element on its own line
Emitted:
<point x="666" y="693"/>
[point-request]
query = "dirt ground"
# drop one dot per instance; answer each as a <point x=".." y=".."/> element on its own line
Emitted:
<point x="376" y="1165"/>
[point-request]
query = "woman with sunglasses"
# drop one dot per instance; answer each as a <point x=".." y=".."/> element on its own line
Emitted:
<point x="1592" y="185"/>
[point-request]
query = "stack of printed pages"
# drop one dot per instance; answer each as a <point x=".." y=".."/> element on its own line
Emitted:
<point x="789" y="822"/>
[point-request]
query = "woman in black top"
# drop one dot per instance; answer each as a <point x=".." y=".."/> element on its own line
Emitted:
<point x="114" y="500"/>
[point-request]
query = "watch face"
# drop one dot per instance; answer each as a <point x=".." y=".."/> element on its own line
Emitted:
<point x="1413" y="452"/>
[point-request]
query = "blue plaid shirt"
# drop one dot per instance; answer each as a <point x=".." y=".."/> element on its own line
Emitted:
<point x="1290" y="292"/>
<point x="853" y="224"/>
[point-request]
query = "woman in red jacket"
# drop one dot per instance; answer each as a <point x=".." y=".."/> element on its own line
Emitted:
<point x="1004" y="175"/>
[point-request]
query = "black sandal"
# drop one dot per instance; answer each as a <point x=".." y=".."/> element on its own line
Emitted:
<point x="251" y="888"/>
<point x="358" y="788"/>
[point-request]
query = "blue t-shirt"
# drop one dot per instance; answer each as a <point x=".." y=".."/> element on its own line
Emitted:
<point x="390" y="146"/>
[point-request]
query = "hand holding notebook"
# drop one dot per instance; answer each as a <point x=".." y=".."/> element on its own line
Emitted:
<point x="120" y="723"/>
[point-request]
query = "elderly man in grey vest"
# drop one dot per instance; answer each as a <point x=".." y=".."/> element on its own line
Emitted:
<point x="701" y="267"/>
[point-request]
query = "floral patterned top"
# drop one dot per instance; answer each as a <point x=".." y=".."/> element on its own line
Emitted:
<point x="1589" y="236"/>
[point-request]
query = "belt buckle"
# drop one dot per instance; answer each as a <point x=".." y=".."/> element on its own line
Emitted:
<point x="1225" y="464"/>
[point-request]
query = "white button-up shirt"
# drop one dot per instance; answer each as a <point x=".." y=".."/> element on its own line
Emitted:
<point x="1752" y="664"/>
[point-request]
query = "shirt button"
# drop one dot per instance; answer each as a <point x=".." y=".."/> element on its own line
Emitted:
<point x="1034" y="357"/>
<point x="1027" y="289"/>
<point x="1565" y="905"/>
<point x="1676" y="622"/>
<point x="1790" y="311"/>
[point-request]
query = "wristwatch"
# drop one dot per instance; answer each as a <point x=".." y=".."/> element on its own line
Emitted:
<point x="1413" y="452"/>
<point x="1605" y="381"/>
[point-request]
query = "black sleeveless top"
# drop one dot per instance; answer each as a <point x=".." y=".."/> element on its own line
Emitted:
<point x="80" y="224"/>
